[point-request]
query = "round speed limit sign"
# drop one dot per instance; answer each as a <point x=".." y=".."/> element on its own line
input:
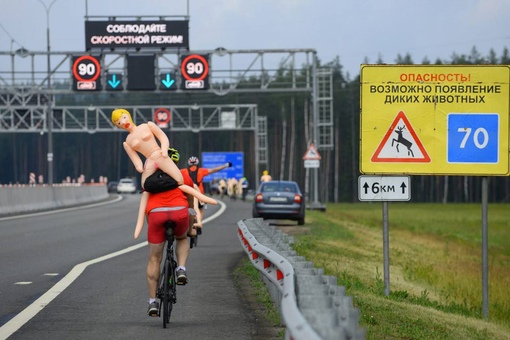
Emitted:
<point x="162" y="117"/>
<point x="195" y="71"/>
<point x="86" y="70"/>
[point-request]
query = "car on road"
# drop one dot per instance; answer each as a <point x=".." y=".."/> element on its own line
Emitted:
<point x="279" y="200"/>
<point x="126" y="185"/>
<point x="112" y="186"/>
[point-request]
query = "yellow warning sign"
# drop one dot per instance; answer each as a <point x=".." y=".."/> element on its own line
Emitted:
<point x="435" y="119"/>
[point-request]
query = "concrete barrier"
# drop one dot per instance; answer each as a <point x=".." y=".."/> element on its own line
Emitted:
<point x="25" y="199"/>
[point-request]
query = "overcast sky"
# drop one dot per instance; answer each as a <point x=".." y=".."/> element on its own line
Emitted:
<point x="351" y="29"/>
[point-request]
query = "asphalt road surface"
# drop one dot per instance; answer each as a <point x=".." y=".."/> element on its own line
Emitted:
<point x="105" y="295"/>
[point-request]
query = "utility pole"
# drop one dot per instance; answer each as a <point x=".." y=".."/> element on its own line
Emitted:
<point x="49" y="101"/>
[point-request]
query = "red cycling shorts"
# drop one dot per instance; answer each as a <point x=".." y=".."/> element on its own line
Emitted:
<point x="156" y="221"/>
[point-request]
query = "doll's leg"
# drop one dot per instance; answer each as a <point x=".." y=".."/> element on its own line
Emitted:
<point x="168" y="166"/>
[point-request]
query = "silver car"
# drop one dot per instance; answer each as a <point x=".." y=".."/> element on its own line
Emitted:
<point x="126" y="185"/>
<point x="279" y="200"/>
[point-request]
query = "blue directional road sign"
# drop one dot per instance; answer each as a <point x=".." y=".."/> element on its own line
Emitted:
<point x="473" y="138"/>
<point x="213" y="159"/>
<point x="114" y="82"/>
<point x="167" y="81"/>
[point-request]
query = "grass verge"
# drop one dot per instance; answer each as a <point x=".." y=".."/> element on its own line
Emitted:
<point x="247" y="275"/>
<point x="435" y="267"/>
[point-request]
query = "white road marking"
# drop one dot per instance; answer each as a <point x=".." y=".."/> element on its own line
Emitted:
<point x="51" y="274"/>
<point x="28" y="313"/>
<point x="23" y="283"/>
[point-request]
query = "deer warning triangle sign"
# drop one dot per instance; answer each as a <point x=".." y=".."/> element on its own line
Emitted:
<point x="312" y="153"/>
<point x="401" y="144"/>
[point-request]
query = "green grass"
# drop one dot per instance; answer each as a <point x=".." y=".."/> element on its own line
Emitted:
<point x="259" y="290"/>
<point x="435" y="267"/>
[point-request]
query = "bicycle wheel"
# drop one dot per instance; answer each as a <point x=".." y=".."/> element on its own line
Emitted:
<point x="166" y="294"/>
<point x="193" y="241"/>
<point x="168" y="291"/>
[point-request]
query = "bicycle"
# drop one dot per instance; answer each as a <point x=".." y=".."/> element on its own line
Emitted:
<point x="167" y="292"/>
<point x="193" y="241"/>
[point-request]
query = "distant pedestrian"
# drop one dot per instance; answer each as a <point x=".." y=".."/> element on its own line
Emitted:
<point x="266" y="177"/>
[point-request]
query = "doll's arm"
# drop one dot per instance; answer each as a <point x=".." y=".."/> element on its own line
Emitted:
<point x="135" y="159"/>
<point x="196" y="193"/>
<point x="161" y="136"/>
<point x="141" y="214"/>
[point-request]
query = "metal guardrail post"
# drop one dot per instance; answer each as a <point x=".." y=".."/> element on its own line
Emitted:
<point x="312" y="305"/>
<point x="280" y="272"/>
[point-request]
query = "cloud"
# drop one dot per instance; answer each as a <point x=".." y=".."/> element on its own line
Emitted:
<point x="485" y="10"/>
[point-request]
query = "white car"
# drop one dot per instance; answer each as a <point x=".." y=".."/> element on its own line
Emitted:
<point x="126" y="185"/>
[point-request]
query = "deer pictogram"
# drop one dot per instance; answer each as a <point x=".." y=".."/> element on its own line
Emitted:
<point x="401" y="140"/>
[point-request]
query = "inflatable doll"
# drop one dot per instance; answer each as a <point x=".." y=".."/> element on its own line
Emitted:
<point x="142" y="139"/>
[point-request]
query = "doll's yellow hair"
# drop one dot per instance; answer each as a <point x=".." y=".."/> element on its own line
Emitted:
<point x="117" y="113"/>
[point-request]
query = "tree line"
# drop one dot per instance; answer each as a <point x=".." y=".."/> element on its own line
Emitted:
<point x="289" y="123"/>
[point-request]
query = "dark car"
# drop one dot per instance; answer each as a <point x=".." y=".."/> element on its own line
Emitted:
<point x="279" y="200"/>
<point x="112" y="186"/>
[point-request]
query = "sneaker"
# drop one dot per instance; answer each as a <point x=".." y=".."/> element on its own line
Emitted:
<point x="182" y="279"/>
<point x="153" y="309"/>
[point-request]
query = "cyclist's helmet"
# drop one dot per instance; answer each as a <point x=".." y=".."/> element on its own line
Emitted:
<point x="174" y="154"/>
<point x="193" y="161"/>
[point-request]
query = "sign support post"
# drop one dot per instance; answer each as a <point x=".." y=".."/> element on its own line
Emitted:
<point x="385" y="188"/>
<point x="315" y="203"/>
<point x="386" y="249"/>
<point x="462" y="113"/>
<point x="485" y="248"/>
<point x="312" y="160"/>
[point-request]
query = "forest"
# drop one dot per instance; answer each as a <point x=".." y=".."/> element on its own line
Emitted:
<point x="289" y="127"/>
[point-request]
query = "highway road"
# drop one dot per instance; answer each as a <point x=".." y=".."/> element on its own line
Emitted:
<point x="79" y="274"/>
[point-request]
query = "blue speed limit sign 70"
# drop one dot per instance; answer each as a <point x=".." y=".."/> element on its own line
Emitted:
<point x="473" y="138"/>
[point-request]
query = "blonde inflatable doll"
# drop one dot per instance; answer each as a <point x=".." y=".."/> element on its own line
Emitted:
<point x="142" y="139"/>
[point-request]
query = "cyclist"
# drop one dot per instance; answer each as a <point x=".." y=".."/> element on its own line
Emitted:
<point x="243" y="182"/>
<point x="222" y="187"/>
<point x="169" y="205"/>
<point x="197" y="174"/>
<point x="232" y="188"/>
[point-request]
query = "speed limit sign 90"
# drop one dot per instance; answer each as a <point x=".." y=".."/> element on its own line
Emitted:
<point x="195" y="72"/>
<point x="162" y="117"/>
<point x="86" y="71"/>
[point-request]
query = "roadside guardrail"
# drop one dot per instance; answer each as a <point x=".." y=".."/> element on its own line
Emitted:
<point x="311" y="304"/>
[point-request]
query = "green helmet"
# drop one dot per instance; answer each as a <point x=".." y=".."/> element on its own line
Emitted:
<point x="174" y="154"/>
